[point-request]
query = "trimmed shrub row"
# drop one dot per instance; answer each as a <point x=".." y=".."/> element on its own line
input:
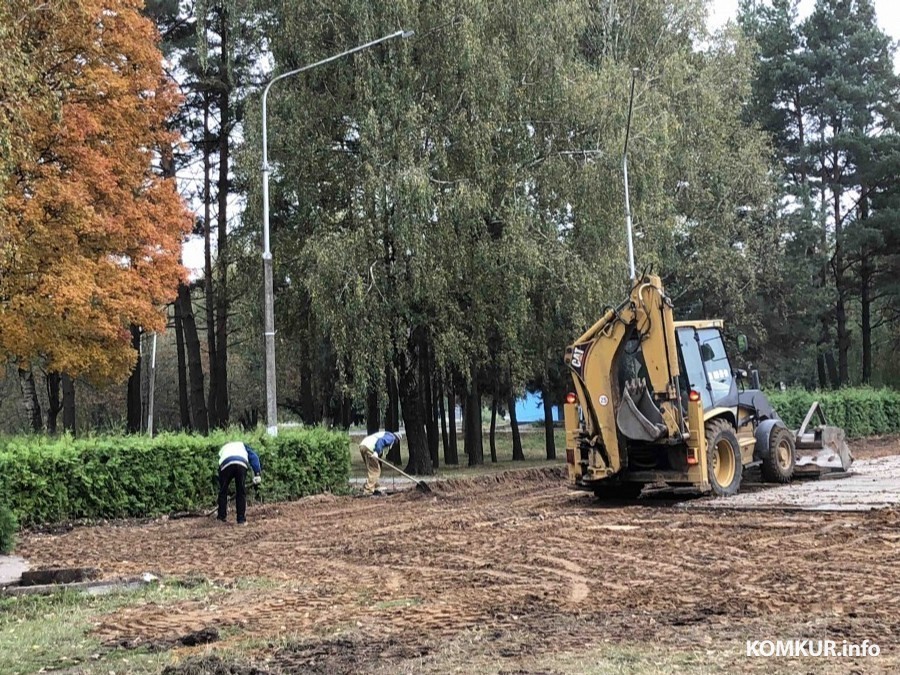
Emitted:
<point x="58" y="480"/>
<point x="860" y="411"/>
<point x="8" y="528"/>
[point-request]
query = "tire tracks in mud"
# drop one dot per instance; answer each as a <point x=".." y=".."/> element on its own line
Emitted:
<point x="508" y="553"/>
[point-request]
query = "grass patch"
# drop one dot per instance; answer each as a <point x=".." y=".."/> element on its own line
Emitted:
<point x="40" y="633"/>
<point x="626" y="659"/>
<point x="402" y="602"/>
<point x="727" y="656"/>
<point x="475" y="651"/>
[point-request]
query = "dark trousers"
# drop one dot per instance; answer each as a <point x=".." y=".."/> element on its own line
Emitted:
<point x="237" y="473"/>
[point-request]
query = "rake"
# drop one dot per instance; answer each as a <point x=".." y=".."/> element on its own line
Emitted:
<point x="421" y="485"/>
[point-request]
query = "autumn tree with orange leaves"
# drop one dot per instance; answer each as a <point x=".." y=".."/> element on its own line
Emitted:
<point x="90" y="233"/>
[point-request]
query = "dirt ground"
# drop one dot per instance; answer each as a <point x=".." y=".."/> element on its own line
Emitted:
<point x="509" y="573"/>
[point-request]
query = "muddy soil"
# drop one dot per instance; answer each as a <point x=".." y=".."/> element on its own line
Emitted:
<point x="507" y="567"/>
<point x="876" y="446"/>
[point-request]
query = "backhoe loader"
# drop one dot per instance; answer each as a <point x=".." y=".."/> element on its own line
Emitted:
<point x="656" y="401"/>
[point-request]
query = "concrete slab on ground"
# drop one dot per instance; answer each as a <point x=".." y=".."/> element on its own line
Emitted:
<point x="873" y="484"/>
<point x="11" y="568"/>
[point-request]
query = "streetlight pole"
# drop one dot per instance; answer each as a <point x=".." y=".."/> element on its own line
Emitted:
<point x="269" y="328"/>
<point x="632" y="274"/>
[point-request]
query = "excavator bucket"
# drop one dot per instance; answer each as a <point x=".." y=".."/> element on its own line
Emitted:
<point x="638" y="417"/>
<point x="822" y="449"/>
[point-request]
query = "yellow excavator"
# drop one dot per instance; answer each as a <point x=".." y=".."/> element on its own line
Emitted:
<point x="656" y="401"/>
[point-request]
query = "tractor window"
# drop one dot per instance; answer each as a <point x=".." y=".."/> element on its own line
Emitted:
<point x="693" y="375"/>
<point x="715" y="362"/>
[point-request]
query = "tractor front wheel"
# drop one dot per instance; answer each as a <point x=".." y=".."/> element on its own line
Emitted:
<point x="778" y="464"/>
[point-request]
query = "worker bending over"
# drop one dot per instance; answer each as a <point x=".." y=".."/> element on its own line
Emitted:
<point x="372" y="448"/>
<point x="234" y="460"/>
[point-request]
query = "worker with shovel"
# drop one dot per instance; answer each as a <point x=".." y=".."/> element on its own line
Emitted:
<point x="372" y="448"/>
<point x="234" y="460"/>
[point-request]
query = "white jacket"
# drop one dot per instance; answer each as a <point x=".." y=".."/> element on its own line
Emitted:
<point x="233" y="453"/>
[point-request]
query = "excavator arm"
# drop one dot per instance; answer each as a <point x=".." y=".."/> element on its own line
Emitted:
<point x="643" y="408"/>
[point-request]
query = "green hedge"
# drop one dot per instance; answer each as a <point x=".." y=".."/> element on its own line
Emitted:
<point x="57" y="480"/>
<point x="8" y="528"/>
<point x="860" y="411"/>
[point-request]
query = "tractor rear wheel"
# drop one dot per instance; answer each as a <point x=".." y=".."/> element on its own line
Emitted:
<point x="778" y="464"/>
<point x="723" y="458"/>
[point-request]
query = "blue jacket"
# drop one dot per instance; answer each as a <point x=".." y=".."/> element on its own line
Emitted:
<point x="239" y="453"/>
<point x="379" y="442"/>
<point x="254" y="461"/>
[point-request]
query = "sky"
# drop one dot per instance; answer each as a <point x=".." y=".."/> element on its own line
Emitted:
<point x="887" y="11"/>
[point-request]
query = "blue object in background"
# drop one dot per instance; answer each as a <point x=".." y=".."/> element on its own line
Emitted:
<point x="531" y="409"/>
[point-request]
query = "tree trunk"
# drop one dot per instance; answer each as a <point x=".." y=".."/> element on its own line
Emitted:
<point x="167" y="164"/>
<point x="462" y="423"/>
<point x="30" y="400"/>
<point x="493" y="434"/>
<point x="346" y="412"/>
<point x="392" y="414"/>
<point x="439" y="398"/>
<point x="184" y="408"/>
<point x="68" y="406"/>
<point x="222" y="257"/>
<point x="518" y="455"/>
<point x="549" y="438"/>
<point x="832" y="370"/>
<point x="133" y="394"/>
<point x="308" y="411"/>
<point x="409" y="390"/>
<point x="472" y="422"/>
<point x="436" y="397"/>
<point x="823" y="344"/>
<point x="840" y="314"/>
<point x="820" y="370"/>
<point x="199" y="414"/>
<point x="866" y="272"/>
<point x="392" y="410"/>
<point x="431" y="428"/>
<point x="53" y="381"/>
<point x="373" y="414"/>
<point x="843" y="335"/>
<point x="212" y="414"/>
<point x="453" y="457"/>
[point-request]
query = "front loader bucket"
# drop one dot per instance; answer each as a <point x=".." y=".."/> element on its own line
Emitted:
<point x="822" y="449"/>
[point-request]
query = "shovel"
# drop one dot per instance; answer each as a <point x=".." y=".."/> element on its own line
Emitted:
<point x="421" y="485"/>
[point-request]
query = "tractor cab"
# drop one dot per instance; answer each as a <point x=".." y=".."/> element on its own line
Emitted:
<point x="704" y="364"/>
<point x="705" y="368"/>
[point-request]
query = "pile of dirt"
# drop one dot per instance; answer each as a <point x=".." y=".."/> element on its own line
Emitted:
<point x="874" y="447"/>
<point x="195" y="638"/>
<point x="518" y="478"/>
<point x="324" y="498"/>
<point x="343" y="655"/>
